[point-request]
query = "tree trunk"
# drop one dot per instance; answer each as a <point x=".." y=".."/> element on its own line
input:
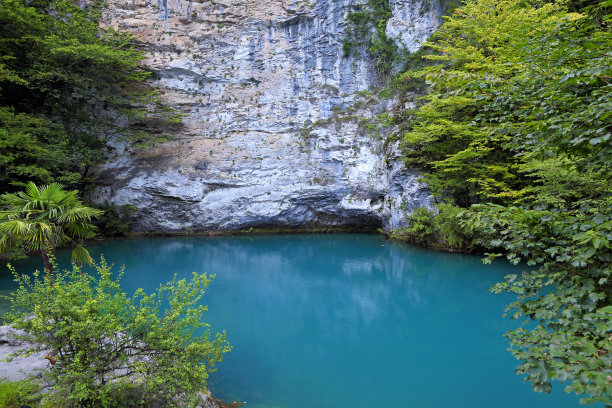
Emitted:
<point x="48" y="264"/>
<point x="83" y="182"/>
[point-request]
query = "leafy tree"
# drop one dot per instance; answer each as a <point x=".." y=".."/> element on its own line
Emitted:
<point x="568" y="296"/>
<point x="34" y="148"/>
<point x="510" y="89"/>
<point x="67" y="87"/>
<point x="516" y="130"/>
<point x="42" y="219"/>
<point x="151" y="349"/>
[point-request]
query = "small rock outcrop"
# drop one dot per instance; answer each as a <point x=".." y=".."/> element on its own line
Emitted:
<point x="272" y="135"/>
<point x="18" y="368"/>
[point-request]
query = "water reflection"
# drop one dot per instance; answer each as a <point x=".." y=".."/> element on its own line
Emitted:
<point x="343" y="320"/>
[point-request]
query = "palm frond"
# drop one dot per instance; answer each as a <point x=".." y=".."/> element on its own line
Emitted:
<point x="16" y="227"/>
<point x="14" y="201"/>
<point x="80" y="230"/>
<point x="70" y="199"/>
<point x="80" y="213"/>
<point x="32" y="191"/>
<point x="7" y="242"/>
<point x="81" y="256"/>
<point x="53" y="192"/>
<point x="40" y="236"/>
<point x="42" y="218"/>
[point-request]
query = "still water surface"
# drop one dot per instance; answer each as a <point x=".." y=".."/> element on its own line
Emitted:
<point x="342" y="320"/>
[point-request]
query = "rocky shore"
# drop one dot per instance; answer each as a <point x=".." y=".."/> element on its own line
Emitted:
<point x="35" y="365"/>
<point x="19" y="368"/>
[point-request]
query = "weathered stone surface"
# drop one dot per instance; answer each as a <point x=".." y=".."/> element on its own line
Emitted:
<point x="413" y="22"/>
<point x="18" y="368"/>
<point x="271" y="135"/>
<point x="10" y="336"/>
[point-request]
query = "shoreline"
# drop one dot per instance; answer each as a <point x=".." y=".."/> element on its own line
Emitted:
<point x="225" y="233"/>
<point x="35" y="365"/>
<point x="251" y="231"/>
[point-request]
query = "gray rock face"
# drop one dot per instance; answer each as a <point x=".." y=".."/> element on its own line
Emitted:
<point x="413" y="22"/>
<point x="20" y="367"/>
<point x="271" y="134"/>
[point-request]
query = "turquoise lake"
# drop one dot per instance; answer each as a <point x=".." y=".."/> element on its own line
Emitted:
<point x="341" y="320"/>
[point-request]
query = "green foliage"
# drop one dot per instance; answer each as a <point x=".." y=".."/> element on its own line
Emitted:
<point x="559" y="183"/>
<point x="441" y="229"/>
<point x="32" y="147"/>
<point x="42" y="219"/>
<point x="142" y="349"/>
<point x="517" y="125"/>
<point x="116" y="220"/>
<point x="367" y="25"/>
<point x="509" y="90"/>
<point x="421" y="228"/>
<point x="367" y="28"/>
<point x="568" y="295"/>
<point x="448" y="222"/>
<point x="15" y="394"/>
<point x="67" y="87"/>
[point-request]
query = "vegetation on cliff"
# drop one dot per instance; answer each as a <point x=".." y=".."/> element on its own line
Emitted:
<point x="515" y="134"/>
<point x="67" y="88"/>
<point x="367" y="28"/>
<point x="367" y="25"/>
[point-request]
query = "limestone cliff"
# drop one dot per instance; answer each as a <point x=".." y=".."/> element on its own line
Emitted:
<point x="271" y="135"/>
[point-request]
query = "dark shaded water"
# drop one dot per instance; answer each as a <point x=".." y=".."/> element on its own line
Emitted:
<point x="343" y="320"/>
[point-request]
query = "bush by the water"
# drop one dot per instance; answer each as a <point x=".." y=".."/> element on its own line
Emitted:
<point x="116" y="220"/>
<point x="515" y="130"/>
<point x="112" y="349"/>
<point x="440" y="229"/>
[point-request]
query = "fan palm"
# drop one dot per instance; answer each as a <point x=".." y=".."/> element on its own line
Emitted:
<point x="43" y="218"/>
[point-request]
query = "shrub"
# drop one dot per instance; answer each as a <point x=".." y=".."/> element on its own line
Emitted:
<point x="448" y="225"/>
<point x="14" y="394"/>
<point x="421" y="228"/>
<point x="116" y="220"/>
<point x="155" y="346"/>
<point x="441" y="230"/>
